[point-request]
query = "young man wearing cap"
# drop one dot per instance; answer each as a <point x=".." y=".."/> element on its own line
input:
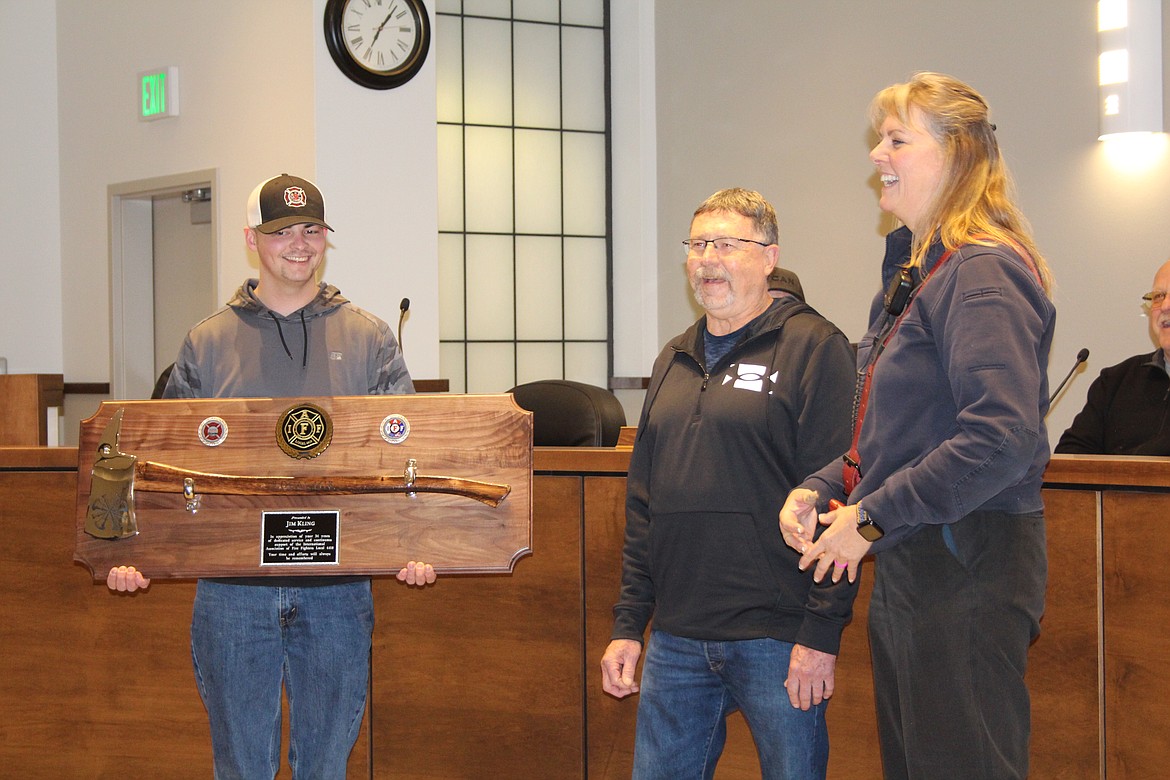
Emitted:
<point x="285" y="335"/>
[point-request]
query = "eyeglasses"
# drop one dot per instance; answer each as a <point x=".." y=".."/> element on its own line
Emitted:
<point x="723" y="246"/>
<point x="1154" y="299"/>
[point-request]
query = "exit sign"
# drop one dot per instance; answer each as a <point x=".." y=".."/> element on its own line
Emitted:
<point x="158" y="93"/>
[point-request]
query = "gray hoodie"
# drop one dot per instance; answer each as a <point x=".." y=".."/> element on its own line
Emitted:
<point x="330" y="347"/>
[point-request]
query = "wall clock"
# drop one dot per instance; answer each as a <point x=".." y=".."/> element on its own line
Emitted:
<point x="379" y="44"/>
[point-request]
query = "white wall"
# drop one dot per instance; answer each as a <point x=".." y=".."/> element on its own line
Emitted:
<point x="773" y="96"/>
<point x="378" y="169"/>
<point x="634" y="139"/>
<point x="30" y="319"/>
<point x="247" y="102"/>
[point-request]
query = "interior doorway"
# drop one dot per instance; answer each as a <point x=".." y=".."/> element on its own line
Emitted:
<point x="163" y="273"/>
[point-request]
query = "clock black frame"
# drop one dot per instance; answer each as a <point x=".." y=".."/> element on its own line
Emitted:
<point x="358" y="73"/>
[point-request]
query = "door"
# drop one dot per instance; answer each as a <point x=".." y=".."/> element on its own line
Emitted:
<point x="162" y="273"/>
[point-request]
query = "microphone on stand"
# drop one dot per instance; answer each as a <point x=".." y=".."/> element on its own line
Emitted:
<point x="402" y="309"/>
<point x="1082" y="356"/>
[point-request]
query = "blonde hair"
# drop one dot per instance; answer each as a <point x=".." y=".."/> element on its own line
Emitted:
<point x="974" y="201"/>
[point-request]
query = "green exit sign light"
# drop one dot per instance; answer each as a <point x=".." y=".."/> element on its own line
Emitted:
<point x="158" y="93"/>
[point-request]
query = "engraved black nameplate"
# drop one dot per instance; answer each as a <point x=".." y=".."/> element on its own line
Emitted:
<point x="299" y="538"/>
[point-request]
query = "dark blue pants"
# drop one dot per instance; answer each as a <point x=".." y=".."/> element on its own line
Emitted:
<point x="953" y="611"/>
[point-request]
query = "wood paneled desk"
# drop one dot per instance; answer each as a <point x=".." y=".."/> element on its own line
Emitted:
<point x="498" y="676"/>
<point x="27" y="399"/>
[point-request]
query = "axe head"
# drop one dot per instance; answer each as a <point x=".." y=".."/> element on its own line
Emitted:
<point x="111" y="492"/>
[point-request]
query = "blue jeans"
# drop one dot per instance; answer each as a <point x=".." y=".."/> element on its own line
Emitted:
<point x="690" y="686"/>
<point x="248" y="639"/>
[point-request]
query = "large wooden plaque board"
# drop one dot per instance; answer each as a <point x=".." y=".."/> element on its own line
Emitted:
<point x="487" y="438"/>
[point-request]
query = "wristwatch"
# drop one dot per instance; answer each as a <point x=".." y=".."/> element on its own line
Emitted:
<point x="869" y="530"/>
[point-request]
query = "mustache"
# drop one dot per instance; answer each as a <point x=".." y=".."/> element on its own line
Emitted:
<point x="709" y="274"/>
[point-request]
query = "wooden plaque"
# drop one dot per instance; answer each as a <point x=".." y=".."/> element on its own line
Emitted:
<point x="485" y="438"/>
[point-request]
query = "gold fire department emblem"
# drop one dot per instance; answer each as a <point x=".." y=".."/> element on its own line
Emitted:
<point x="304" y="431"/>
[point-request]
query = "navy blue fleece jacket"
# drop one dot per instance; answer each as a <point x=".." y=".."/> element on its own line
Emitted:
<point x="955" y="419"/>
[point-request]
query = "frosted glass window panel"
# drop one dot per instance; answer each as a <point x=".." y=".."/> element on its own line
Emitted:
<point x="586" y="312"/>
<point x="449" y="68"/>
<point x="584" y="172"/>
<point x="491" y="288"/>
<point x="538" y="75"/>
<point x="588" y="363"/>
<point x="498" y="8"/>
<point x="538" y="283"/>
<point x="539" y="361"/>
<point x="583" y="79"/>
<point x="523" y="266"/>
<point x="536" y="10"/>
<point x="451" y="287"/>
<point x="450" y="142"/>
<point x="488" y="179"/>
<point x="591" y="12"/>
<point x="538" y="181"/>
<point x="487" y="71"/>
<point x="491" y="368"/>
<point x="451" y="366"/>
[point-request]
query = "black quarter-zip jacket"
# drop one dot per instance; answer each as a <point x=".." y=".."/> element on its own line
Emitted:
<point x="717" y="450"/>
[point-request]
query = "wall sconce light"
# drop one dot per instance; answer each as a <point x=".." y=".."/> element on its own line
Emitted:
<point x="1129" y="59"/>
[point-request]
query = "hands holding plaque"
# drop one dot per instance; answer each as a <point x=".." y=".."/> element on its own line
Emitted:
<point x="128" y="579"/>
<point x="153" y="493"/>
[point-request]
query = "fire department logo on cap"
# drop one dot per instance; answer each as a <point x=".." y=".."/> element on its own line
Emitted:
<point x="283" y="201"/>
<point x="294" y="197"/>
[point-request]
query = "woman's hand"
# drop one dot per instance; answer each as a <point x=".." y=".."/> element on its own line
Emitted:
<point x="840" y="547"/>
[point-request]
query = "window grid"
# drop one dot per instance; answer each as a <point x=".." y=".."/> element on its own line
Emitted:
<point x="463" y="345"/>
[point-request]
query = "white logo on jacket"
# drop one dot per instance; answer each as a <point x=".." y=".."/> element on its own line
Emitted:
<point x="751" y="377"/>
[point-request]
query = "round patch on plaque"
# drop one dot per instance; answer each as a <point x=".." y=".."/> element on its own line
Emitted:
<point x="304" y="431"/>
<point x="213" y="431"/>
<point x="395" y="428"/>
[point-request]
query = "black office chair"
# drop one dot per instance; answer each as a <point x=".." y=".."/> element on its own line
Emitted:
<point x="571" y="414"/>
<point x="161" y="384"/>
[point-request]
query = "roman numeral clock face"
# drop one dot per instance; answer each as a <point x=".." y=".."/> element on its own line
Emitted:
<point x="379" y="44"/>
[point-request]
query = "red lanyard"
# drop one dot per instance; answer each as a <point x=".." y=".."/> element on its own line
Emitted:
<point x="851" y="466"/>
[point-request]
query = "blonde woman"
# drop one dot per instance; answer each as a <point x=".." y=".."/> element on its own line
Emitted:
<point x="942" y="480"/>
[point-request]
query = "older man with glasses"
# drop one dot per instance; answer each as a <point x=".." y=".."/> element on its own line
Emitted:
<point x="1129" y="404"/>
<point x="747" y="402"/>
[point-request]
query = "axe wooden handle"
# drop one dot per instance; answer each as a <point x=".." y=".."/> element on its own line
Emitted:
<point x="153" y="477"/>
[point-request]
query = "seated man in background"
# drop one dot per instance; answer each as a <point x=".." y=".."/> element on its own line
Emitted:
<point x="1126" y="410"/>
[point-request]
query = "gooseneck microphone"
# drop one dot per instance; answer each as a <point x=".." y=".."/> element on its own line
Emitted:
<point x="402" y="309"/>
<point x="1082" y="356"/>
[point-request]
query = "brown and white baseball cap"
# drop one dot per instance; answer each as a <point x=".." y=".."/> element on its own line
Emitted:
<point x="285" y="200"/>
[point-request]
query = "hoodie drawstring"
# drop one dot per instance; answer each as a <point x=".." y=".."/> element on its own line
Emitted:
<point x="283" y="343"/>
<point x="305" y="335"/>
